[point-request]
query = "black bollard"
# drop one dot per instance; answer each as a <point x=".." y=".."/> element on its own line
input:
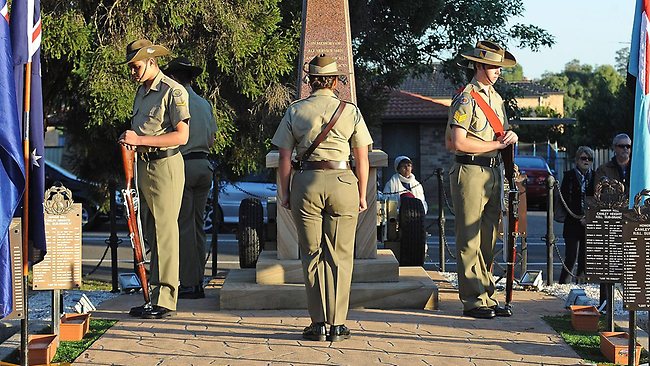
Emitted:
<point x="441" y="219"/>
<point x="215" y="220"/>
<point x="550" y="236"/>
<point x="113" y="241"/>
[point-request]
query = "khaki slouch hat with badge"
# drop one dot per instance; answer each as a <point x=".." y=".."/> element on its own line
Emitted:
<point x="322" y="65"/>
<point x="489" y="53"/>
<point x="143" y="49"/>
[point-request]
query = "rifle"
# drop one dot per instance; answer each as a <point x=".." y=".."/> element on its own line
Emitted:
<point x="508" y="156"/>
<point x="129" y="193"/>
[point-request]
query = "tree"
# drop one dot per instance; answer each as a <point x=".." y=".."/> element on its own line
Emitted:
<point x="597" y="98"/>
<point x="239" y="43"/>
<point x="249" y="51"/>
<point x="513" y="73"/>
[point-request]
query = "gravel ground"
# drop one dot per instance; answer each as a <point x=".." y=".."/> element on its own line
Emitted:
<point x="591" y="289"/>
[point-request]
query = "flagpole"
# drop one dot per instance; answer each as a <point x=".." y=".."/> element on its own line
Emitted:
<point x="24" y="323"/>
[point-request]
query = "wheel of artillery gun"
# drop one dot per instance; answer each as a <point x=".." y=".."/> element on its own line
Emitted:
<point x="251" y="231"/>
<point x="412" y="234"/>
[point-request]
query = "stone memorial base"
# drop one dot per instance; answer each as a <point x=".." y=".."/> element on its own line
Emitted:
<point x="376" y="283"/>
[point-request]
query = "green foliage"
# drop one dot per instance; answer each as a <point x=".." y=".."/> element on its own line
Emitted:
<point x="543" y="132"/>
<point x="69" y="351"/>
<point x="511" y="74"/>
<point x="239" y="44"/>
<point x="248" y="49"/>
<point x="598" y="99"/>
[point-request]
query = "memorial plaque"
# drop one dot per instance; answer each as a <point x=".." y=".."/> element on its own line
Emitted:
<point x="326" y="29"/>
<point x="61" y="268"/>
<point x="16" y="248"/>
<point x="636" y="274"/>
<point x="604" y="248"/>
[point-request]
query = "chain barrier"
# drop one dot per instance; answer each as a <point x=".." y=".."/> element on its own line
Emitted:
<point x="559" y="255"/>
<point x="262" y="198"/>
<point x="564" y="204"/>
<point x="447" y="204"/>
<point x="101" y="260"/>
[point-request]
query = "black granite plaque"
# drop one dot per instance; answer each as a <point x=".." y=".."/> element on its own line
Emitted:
<point x="636" y="255"/>
<point x="604" y="249"/>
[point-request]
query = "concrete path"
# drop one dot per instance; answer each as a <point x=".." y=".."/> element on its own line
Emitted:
<point x="200" y="334"/>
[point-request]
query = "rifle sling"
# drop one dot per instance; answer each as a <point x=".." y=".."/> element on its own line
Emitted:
<point x="492" y="117"/>
<point x="321" y="136"/>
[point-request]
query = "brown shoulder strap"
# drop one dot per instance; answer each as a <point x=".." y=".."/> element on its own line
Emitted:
<point x="492" y="117"/>
<point x="324" y="132"/>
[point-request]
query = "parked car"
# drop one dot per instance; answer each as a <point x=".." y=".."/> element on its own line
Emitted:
<point x="537" y="171"/>
<point x="84" y="192"/>
<point x="260" y="185"/>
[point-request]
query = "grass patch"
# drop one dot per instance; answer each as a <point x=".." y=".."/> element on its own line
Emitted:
<point x="69" y="351"/>
<point x="95" y="285"/>
<point x="586" y="344"/>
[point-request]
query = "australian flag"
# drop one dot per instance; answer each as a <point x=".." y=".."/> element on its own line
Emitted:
<point x="25" y="27"/>
<point x="12" y="167"/>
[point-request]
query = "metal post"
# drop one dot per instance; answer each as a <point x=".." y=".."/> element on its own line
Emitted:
<point x="609" y="308"/>
<point x="550" y="236"/>
<point x="56" y="311"/>
<point x="441" y="219"/>
<point x="631" y="351"/>
<point x="524" y="254"/>
<point x="113" y="241"/>
<point x="215" y="220"/>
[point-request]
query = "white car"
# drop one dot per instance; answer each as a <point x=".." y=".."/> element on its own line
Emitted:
<point x="259" y="186"/>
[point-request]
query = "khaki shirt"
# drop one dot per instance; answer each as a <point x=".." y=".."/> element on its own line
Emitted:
<point x="306" y="118"/>
<point x="466" y="114"/>
<point x="202" y="124"/>
<point x="158" y="110"/>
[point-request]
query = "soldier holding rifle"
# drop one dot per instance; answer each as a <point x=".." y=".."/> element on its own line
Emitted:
<point x="476" y="176"/>
<point x="159" y="124"/>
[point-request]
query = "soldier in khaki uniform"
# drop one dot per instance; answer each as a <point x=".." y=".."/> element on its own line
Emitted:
<point x="476" y="179"/>
<point x="325" y="196"/>
<point x="198" y="179"/>
<point x="158" y="126"/>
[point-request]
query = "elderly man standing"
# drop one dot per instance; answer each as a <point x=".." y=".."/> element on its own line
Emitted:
<point x="198" y="179"/>
<point x="158" y="127"/>
<point x="475" y="132"/>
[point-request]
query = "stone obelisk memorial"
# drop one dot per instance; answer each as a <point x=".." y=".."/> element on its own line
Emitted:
<point x="377" y="279"/>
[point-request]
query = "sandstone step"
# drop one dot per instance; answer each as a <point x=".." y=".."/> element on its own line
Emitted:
<point x="274" y="271"/>
<point x="415" y="290"/>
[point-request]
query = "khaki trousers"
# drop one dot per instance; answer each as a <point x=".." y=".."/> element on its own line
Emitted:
<point x="198" y="179"/>
<point x="476" y="195"/>
<point x="325" y="207"/>
<point x="161" y="184"/>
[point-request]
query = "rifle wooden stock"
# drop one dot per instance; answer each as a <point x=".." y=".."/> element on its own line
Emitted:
<point x="508" y="157"/>
<point x="128" y="159"/>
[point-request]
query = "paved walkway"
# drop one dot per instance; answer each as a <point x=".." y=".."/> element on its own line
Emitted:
<point x="200" y="334"/>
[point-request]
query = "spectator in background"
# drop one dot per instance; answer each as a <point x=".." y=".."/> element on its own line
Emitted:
<point x="619" y="166"/>
<point x="619" y="169"/>
<point x="404" y="183"/>
<point x="577" y="184"/>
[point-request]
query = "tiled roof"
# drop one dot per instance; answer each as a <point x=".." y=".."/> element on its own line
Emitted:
<point x="406" y="105"/>
<point x="435" y="85"/>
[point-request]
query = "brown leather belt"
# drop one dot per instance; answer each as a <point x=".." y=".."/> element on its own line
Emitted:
<point x="159" y="154"/>
<point x="325" y="165"/>
<point x="479" y="160"/>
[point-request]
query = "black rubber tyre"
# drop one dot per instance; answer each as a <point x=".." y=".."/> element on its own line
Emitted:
<point x="251" y="231"/>
<point x="413" y="236"/>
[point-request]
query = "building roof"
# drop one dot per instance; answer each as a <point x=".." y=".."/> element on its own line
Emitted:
<point x="406" y="105"/>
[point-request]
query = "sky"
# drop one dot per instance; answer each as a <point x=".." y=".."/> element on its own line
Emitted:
<point x="590" y="31"/>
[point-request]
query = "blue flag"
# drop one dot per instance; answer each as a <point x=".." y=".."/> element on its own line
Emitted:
<point x="12" y="169"/>
<point x="26" y="44"/>
<point x="639" y="66"/>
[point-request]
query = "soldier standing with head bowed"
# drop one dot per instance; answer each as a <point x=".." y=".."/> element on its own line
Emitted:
<point x="159" y="124"/>
<point x="476" y="176"/>
<point x="325" y="197"/>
